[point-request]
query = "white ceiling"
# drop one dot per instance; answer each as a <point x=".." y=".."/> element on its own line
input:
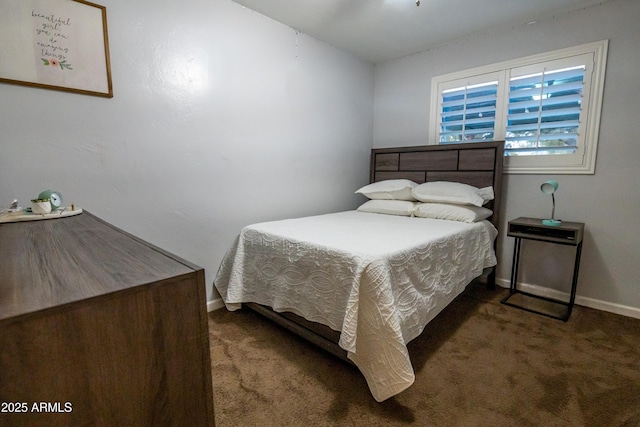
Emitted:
<point x="380" y="30"/>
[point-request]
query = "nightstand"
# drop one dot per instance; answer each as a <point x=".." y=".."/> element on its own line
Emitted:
<point x="568" y="233"/>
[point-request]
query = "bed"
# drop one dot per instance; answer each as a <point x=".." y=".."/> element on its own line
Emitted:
<point x="362" y="284"/>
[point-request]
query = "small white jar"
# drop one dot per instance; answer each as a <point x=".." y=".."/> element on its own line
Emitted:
<point x="41" y="208"/>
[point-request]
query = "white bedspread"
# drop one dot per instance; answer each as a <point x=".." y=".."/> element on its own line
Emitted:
<point x="379" y="279"/>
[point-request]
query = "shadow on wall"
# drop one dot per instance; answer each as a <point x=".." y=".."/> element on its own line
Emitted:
<point x="550" y="266"/>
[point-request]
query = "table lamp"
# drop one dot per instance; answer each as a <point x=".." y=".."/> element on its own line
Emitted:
<point x="550" y="187"/>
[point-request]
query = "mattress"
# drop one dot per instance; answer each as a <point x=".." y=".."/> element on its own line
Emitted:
<point x="377" y="279"/>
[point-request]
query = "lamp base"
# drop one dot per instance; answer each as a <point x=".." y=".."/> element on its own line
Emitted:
<point x="552" y="222"/>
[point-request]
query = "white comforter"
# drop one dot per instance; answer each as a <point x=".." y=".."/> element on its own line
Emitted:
<point x="379" y="279"/>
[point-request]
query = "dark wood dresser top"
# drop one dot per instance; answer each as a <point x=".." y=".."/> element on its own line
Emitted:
<point x="48" y="263"/>
<point x="109" y="326"/>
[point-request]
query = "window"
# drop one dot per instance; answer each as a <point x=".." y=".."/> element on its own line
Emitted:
<point x="468" y="113"/>
<point x="545" y="107"/>
<point x="543" y="116"/>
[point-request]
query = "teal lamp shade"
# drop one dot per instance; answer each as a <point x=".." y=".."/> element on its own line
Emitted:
<point x="550" y="187"/>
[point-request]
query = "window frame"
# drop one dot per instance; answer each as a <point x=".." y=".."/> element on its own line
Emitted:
<point x="584" y="160"/>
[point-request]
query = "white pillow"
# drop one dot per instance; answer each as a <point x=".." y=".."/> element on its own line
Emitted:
<point x="460" y="213"/>
<point x="486" y="193"/>
<point x="391" y="189"/>
<point x="389" y="207"/>
<point x="450" y="192"/>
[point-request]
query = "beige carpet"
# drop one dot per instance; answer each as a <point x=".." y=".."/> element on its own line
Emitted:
<point x="479" y="363"/>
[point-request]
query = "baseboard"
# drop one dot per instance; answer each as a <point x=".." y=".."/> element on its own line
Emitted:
<point x="215" y="305"/>
<point x="622" y="310"/>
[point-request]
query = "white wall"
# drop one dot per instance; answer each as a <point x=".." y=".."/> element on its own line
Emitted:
<point x="608" y="202"/>
<point x="220" y="118"/>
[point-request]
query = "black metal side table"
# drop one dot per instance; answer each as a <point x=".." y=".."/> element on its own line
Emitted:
<point x="568" y="233"/>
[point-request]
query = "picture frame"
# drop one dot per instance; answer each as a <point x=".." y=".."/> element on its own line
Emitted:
<point x="55" y="44"/>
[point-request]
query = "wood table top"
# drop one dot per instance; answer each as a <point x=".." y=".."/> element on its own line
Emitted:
<point x="44" y="264"/>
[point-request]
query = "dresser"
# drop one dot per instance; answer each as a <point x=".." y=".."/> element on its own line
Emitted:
<point x="98" y="327"/>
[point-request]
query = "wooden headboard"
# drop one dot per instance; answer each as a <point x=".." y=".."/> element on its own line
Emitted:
<point x="478" y="164"/>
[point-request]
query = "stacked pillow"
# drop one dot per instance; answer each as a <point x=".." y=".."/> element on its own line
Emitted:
<point x="452" y="201"/>
<point x="462" y="213"/>
<point x="389" y="207"/>
<point x="391" y="197"/>
<point x="391" y="189"/>
<point x="452" y="192"/>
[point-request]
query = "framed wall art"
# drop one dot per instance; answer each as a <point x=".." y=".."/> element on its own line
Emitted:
<point x="55" y="44"/>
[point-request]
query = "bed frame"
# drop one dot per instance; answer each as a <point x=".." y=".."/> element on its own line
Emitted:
<point x="477" y="164"/>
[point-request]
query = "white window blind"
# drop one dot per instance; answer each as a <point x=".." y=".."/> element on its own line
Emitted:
<point x="468" y="113"/>
<point x="543" y="115"/>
